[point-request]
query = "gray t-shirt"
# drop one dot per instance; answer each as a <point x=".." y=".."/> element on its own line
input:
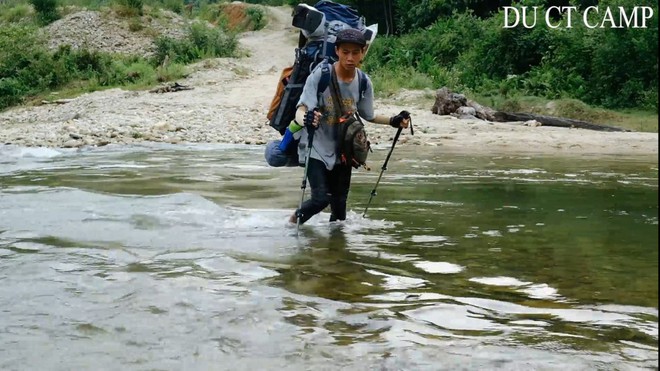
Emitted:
<point x="325" y="144"/>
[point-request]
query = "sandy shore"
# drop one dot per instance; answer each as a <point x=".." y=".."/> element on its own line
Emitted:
<point x="230" y="98"/>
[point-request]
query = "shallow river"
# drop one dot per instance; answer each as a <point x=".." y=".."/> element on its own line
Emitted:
<point x="180" y="257"/>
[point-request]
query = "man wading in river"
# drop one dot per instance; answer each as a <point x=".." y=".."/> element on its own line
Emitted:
<point x="328" y="172"/>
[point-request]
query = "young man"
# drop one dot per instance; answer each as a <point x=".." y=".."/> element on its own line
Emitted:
<point x="330" y="179"/>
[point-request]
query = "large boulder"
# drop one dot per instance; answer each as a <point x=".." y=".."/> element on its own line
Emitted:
<point x="447" y="102"/>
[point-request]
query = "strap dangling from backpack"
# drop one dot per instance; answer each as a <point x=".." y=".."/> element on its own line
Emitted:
<point x="336" y="95"/>
<point x="339" y="113"/>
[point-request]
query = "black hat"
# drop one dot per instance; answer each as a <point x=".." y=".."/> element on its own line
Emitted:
<point x="350" y="36"/>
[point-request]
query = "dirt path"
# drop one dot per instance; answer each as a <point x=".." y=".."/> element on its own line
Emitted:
<point x="270" y="50"/>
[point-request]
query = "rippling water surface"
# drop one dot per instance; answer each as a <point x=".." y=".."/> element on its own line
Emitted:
<point x="175" y="257"/>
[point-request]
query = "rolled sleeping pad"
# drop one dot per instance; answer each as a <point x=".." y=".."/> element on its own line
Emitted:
<point x="275" y="157"/>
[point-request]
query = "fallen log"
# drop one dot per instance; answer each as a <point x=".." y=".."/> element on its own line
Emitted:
<point x="57" y="101"/>
<point x="552" y="121"/>
<point x="482" y="112"/>
<point x="170" y="88"/>
<point x="450" y="103"/>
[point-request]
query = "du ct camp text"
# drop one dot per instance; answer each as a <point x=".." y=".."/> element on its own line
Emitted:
<point x="590" y="17"/>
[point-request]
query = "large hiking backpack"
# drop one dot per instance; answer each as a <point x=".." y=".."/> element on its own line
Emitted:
<point x="318" y="29"/>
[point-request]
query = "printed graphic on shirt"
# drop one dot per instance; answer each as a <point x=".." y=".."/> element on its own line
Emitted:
<point x="329" y="108"/>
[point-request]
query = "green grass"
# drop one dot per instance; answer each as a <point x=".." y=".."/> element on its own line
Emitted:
<point x="142" y="77"/>
<point x="389" y="82"/>
<point x="15" y="14"/>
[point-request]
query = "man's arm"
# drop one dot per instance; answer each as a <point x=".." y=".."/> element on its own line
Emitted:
<point x="400" y="120"/>
<point x="381" y="120"/>
<point x="309" y="96"/>
<point x="366" y="109"/>
<point x="300" y="114"/>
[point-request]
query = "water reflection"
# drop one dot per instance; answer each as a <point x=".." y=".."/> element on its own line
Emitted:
<point x="181" y="257"/>
<point x="383" y="293"/>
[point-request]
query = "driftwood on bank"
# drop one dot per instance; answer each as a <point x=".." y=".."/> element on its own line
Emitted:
<point x="170" y="88"/>
<point x="449" y="103"/>
<point x="482" y="112"/>
<point x="554" y="121"/>
<point x="57" y="101"/>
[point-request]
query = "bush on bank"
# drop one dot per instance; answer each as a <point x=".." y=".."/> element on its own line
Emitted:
<point x="29" y="69"/>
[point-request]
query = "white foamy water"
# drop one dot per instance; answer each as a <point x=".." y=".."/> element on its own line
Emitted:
<point x="499" y="281"/>
<point x="533" y="290"/>
<point x="439" y="267"/>
<point x="541" y="291"/>
<point x="395" y="282"/>
<point x="17" y="152"/>
<point x="427" y="238"/>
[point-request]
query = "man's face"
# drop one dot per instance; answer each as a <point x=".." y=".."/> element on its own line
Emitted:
<point x="350" y="55"/>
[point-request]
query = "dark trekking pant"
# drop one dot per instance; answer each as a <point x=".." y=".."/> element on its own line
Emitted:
<point x="329" y="187"/>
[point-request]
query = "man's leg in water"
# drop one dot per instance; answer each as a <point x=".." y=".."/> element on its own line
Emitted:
<point x="340" y="183"/>
<point x="317" y="176"/>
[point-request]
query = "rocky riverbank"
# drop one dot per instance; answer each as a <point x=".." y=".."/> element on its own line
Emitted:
<point x="230" y="97"/>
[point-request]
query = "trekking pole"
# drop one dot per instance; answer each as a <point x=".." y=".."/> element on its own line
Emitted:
<point x="303" y="186"/>
<point x="319" y="92"/>
<point x="382" y="170"/>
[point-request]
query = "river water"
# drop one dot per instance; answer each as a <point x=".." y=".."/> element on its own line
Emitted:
<point x="180" y="257"/>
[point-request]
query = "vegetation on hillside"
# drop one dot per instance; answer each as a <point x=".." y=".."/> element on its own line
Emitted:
<point x="29" y="69"/>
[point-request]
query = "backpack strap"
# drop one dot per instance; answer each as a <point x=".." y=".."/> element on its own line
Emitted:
<point x="324" y="81"/>
<point x="362" y="79"/>
<point x="336" y="94"/>
<point x="363" y="83"/>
